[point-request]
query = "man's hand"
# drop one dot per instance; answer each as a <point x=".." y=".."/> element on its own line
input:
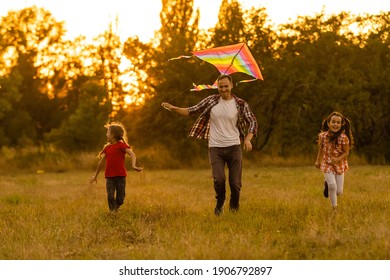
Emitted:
<point x="247" y="145"/>
<point x="167" y="106"/>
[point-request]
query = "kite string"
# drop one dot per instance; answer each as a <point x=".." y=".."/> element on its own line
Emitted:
<point x="182" y="92"/>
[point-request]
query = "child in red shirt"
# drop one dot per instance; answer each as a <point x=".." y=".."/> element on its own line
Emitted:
<point x="334" y="142"/>
<point x="113" y="154"/>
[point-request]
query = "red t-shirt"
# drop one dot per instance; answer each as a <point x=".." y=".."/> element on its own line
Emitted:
<point x="115" y="160"/>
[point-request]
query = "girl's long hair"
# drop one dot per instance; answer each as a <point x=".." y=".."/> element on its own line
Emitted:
<point x="345" y="127"/>
<point x="118" y="131"/>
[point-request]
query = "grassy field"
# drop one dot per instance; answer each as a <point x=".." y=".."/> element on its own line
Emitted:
<point x="168" y="214"/>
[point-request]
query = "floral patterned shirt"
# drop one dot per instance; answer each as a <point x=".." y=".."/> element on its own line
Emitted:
<point x="331" y="150"/>
<point x="201" y="127"/>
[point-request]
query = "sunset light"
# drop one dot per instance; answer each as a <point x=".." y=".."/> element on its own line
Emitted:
<point x="141" y="18"/>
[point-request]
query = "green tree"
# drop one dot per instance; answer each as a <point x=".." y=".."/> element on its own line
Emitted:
<point x="372" y="117"/>
<point x="312" y="77"/>
<point x="9" y="94"/>
<point x="164" y="80"/>
<point x="84" y="129"/>
<point x="318" y="67"/>
<point x="230" y="27"/>
<point x="108" y="59"/>
<point x="26" y="37"/>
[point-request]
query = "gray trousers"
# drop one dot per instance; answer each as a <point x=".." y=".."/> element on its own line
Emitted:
<point x="232" y="157"/>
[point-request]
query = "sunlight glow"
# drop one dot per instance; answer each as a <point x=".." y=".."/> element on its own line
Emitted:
<point x="142" y="18"/>
<point x="9" y="59"/>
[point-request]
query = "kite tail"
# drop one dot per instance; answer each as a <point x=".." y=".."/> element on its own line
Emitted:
<point x="202" y="87"/>
<point x="246" y="81"/>
<point x="180" y="57"/>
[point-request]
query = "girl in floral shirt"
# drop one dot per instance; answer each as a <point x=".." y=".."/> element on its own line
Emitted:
<point x="334" y="142"/>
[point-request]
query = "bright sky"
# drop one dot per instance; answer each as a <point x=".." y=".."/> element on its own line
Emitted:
<point x="141" y="17"/>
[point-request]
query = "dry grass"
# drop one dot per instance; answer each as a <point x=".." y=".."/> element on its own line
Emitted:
<point x="169" y="215"/>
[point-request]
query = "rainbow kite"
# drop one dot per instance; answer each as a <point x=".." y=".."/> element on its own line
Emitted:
<point x="229" y="59"/>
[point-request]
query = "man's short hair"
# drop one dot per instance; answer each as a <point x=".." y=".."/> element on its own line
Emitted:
<point x="224" y="76"/>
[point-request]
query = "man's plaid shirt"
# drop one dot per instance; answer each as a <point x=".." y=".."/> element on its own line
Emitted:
<point x="201" y="127"/>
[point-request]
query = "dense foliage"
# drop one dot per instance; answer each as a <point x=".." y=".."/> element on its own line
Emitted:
<point x="54" y="91"/>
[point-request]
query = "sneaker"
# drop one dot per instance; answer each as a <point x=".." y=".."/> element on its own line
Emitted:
<point x="326" y="189"/>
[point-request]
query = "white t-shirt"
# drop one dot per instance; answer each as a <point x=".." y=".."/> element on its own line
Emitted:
<point x="223" y="124"/>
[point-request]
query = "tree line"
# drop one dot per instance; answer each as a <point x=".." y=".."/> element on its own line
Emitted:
<point x="56" y="92"/>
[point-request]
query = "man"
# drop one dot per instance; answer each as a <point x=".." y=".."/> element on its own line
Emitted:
<point x="223" y="120"/>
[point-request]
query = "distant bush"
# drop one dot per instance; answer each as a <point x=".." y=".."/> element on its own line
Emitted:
<point x="39" y="159"/>
<point x="50" y="159"/>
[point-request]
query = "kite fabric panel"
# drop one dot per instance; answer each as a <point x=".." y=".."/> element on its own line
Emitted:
<point x="231" y="59"/>
<point x="228" y="60"/>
